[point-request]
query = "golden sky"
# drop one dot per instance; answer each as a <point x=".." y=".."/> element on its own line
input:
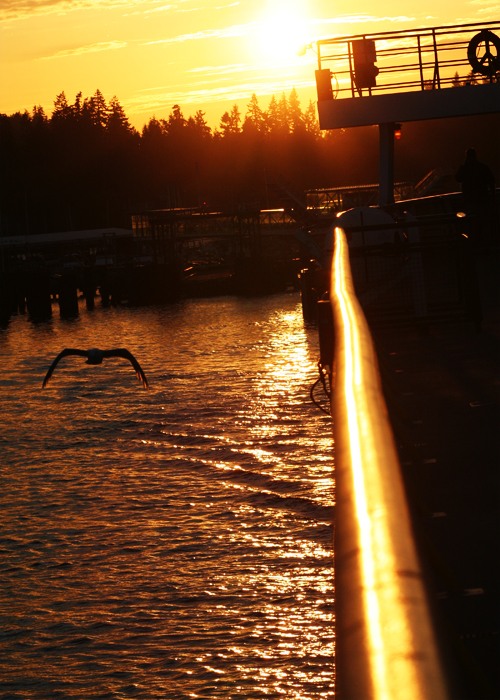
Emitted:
<point x="200" y="54"/>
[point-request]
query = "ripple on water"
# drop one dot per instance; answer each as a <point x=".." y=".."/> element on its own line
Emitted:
<point x="172" y="543"/>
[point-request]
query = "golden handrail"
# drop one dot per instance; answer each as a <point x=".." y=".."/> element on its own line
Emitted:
<point x="386" y="642"/>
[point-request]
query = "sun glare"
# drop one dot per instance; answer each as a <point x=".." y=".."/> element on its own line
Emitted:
<point x="283" y="30"/>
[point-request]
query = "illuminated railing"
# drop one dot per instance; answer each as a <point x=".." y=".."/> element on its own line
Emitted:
<point x="426" y="58"/>
<point x="386" y="643"/>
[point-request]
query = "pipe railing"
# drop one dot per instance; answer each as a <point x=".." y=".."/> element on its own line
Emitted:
<point x="409" y="60"/>
<point x="386" y="642"/>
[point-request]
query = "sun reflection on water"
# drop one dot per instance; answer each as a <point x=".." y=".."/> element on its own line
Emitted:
<point x="176" y="542"/>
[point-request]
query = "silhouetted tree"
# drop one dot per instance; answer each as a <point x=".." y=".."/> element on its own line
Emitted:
<point x="284" y="118"/>
<point x="175" y="120"/>
<point x="272" y="115"/>
<point x="255" y="115"/>
<point x="311" y="123"/>
<point x="62" y="109"/>
<point x="230" y="121"/>
<point x="294" y="112"/>
<point x="117" y="121"/>
<point x="38" y="115"/>
<point x="84" y="166"/>
<point x="77" y="106"/>
<point x="95" y="110"/>
<point x="198" y="125"/>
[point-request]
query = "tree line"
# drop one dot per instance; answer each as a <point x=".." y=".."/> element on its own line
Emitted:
<point x="85" y="166"/>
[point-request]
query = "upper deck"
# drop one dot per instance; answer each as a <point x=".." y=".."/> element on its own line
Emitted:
<point x="409" y="75"/>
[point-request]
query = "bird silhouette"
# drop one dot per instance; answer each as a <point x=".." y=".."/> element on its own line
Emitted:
<point x="95" y="357"/>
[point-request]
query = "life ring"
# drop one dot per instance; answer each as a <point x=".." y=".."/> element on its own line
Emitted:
<point x="489" y="62"/>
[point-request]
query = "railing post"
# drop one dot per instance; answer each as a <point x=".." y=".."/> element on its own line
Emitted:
<point x="386" y="164"/>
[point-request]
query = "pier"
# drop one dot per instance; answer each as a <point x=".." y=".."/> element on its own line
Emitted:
<point x="409" y="320"/>
<point x="438" y="461"/>
<point x="166" y="255"/>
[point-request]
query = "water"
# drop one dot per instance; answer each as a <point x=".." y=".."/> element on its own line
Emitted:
<point x="171" y="543"/>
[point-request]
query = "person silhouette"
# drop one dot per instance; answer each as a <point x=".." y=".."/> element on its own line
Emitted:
<point x="478" y="183"/>
<point x="478" y="191"/>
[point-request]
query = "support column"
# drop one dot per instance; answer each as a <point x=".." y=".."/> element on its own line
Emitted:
<point x="386" y="164"/>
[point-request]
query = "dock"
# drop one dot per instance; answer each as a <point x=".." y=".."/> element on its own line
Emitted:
<point x="442" y="388"/>
<point x="413" y="357"/>
<point x="415" y="414"/>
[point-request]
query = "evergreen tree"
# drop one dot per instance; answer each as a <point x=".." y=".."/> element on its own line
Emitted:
<point x="294" y="112"/>
<point x="62" y="110"/>
<point x="117" y="119"/>
<point x="200" y="125"/>
<point x="175" y="120"/>
<point x="235" y="119"/>
<point x="311" y="123"/>
<point x="284" y="120"/>
<point x="271" y="116"/>
<point x="255" y="114"/>
<point x="95" y="110"/>
<point x="152" y="128"/>
<point x="99" y="110"/>
<point x="225" y="124"/>
<point x="230" y="121"/>
<point x="38" y="115"/>
<point x="77" y="107"/>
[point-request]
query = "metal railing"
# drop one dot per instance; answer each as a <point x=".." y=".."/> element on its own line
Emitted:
<point x="386" y="642"/>
<point x="336" y="199"/>
<point x="409" y="60"/>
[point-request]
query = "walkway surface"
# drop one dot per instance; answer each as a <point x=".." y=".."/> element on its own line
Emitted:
<point x="443" y="393"/>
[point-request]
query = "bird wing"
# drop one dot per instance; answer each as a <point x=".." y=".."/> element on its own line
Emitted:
<point x="122" y="352"/>
<point x="66" y="351"/>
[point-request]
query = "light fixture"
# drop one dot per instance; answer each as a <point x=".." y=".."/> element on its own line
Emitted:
<point x="303" y="49"/>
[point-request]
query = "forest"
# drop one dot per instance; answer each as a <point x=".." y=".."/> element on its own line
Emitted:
<point x="85" y="166"/>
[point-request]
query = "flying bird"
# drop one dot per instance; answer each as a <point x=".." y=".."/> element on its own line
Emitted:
<point x="95" y="357"/>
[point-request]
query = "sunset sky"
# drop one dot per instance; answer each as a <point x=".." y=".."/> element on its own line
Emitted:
<point x="200" y="54"/>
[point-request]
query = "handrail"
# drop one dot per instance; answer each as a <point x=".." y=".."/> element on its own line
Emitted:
<point x="408" y="59"/>
<point x="386" y="643"/>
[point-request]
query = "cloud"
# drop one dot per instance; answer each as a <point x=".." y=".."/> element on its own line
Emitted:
<point x="90" y="48"/>
<point x="224" y="32"/>
<point x="165" y="100"/>
<point x="250" y="27"/>
<point x="224" y="70"/>
<point x="163" y="8"/>
<point x="22" y="9"/>
<point x="234" y="68"/>
<point x="359" y="18"/>
<point x="487" y="6"/>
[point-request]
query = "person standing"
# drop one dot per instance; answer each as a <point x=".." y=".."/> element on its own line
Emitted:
<point x="478" y="190"/>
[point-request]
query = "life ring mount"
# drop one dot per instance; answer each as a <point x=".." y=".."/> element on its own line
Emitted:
<point x="487" y="61"/>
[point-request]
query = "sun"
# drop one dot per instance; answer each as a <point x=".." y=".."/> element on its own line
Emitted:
<point x="283" y="29"/>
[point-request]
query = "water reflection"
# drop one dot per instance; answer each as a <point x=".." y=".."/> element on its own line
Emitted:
<point x="172" y="543"/>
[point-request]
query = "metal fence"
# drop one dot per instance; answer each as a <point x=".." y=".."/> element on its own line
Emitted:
<point x="426" y="275"/>
<point x="409" y="60"/>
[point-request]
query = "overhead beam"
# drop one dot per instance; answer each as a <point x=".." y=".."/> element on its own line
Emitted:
<point x="409" y="106"/>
